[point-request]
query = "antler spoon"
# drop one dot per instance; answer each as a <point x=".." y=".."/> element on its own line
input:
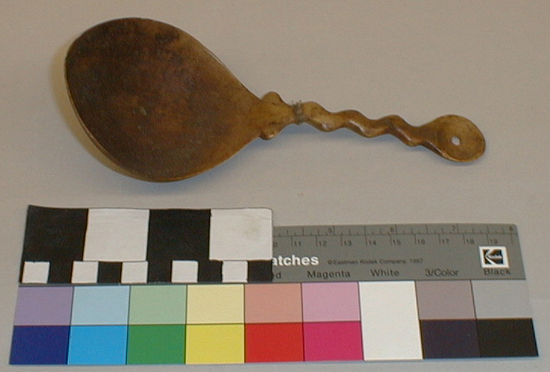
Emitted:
<point x="164" y="108"/>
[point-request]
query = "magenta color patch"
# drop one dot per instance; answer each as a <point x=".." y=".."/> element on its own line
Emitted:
<point x="332" y="341"/>
<point x="330" y="302"/>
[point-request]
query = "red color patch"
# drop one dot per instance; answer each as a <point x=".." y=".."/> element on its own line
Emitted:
<point x="280" y="342"/>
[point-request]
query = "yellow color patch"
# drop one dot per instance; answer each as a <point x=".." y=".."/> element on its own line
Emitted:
<point x="214" y="344"/>
<point x="215" y="304"/>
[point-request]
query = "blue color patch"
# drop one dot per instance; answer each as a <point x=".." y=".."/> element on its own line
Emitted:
<point x="103" y="345"/>
<point x="100" y="305"/>
<point x="39" y="345"/>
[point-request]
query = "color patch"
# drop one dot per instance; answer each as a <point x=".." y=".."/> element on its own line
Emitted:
<point x="449" y="339"/>
<point x="44" y="306"/>
<point x="156" y="344"/>
<point x="281" y="342"/>
<point x="390" y="323"/>
<point x="326" y="302"/>
<point x="496" y="299"/>
<point x="97" y="345"/>
<point x="215" y="344"/>
<point x="332" y="341"/>
<point x="105" y="305"/>
<point x="267" y="303"/>
<point x="507" y="338"/>
<point x="158" y="304"/>
<point x="39" y="345"/>
<point x="445" y="300"/>
<point x="215" y="304"/>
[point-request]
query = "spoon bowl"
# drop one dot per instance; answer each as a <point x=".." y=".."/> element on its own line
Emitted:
<point x="164" y="108"/>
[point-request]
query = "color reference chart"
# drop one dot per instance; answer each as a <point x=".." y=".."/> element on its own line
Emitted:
<point x="128" y="286"/>
<point x="278" y="322"/>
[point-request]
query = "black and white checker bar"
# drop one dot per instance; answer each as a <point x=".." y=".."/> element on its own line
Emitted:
<point x="131" y="246"/>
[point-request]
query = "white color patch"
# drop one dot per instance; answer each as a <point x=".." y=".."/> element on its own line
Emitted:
<point x="185" y="271"/>
<point x="390" y="323"/>
<point x="241" y="234"/>
<point x="134" y="272"/>
<point x="235" y="272"/>
<point x="116" y="235"/>
<point x="36" y="272"/>
<point x="85" y="272"/>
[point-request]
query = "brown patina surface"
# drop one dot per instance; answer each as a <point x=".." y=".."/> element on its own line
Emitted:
<point x="164" y="108"/>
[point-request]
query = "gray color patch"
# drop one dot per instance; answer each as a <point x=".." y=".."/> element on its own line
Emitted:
<point x="501" y="299"/>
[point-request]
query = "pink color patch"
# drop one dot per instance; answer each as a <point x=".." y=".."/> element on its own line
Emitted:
<point x="330" y="302"/>
<point x="332" y="341"/>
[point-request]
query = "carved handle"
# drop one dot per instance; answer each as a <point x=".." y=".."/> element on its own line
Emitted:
<point x="453" y="137"/>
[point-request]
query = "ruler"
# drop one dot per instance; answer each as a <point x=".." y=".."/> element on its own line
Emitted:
<point x="397" y="252"/>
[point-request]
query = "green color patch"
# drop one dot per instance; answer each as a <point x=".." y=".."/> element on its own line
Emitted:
<point x="156" y="344"/>
<point x="158" y="304"/>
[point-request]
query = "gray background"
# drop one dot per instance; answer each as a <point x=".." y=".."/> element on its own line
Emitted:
<point x="487" y="60"/>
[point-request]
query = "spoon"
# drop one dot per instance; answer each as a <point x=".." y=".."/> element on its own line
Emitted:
<point x="164" y="108"/>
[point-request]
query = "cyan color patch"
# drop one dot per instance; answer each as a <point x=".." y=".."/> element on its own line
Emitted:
<point x="98" y="345"/>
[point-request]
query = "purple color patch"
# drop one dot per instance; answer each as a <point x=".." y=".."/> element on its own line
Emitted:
<point x="43" y="306"/>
